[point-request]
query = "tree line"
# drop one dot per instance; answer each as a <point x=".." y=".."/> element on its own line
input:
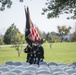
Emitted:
<point x="14" y="36"/>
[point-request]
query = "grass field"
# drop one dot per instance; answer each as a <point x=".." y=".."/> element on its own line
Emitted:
<point x="60" y="52"/>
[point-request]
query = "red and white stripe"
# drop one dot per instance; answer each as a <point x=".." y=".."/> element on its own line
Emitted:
<point x="34" y="34"/>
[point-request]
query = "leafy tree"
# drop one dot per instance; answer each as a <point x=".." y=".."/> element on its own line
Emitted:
<point x="10" y="34"/>
<point x="4" y="3"/>
<point x="53" y="9"/>
<point x="55" y="38"/>
<point x="63" y="30"/>
<point x="13" y="36"/>
<point x="7" y="3"/>
<point x="1" y="41"/>
<point x="43" y="34"/>
<point x="74" y="37"/>
<point x="56" y="7"/>
<point x="47" y="38"/>
<point x="19" y="43"/>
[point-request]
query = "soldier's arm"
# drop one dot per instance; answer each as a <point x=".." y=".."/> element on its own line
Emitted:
<point x="26" y="50"/>
<point x="41" y="51"/>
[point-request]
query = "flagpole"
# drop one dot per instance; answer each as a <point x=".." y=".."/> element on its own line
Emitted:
<point x="25" y="13"/>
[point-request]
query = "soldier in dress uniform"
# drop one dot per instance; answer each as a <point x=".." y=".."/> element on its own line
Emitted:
<point x="39" y="54"/>
<point x="35" y="54"/>
<point x="28" y="50"/>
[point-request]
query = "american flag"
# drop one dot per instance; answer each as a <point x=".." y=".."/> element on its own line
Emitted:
<point x="31" y="33"/>
<point x="34" y="34"/>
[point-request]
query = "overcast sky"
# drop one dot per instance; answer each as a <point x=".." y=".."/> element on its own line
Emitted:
<point x="16" y="15"/>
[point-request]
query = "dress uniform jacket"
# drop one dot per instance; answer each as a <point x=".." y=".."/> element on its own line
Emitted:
<point x="28" y="50"/>
<point x="34" y="54"/>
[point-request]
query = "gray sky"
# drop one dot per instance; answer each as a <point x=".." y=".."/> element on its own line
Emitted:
<point x="16" y="15"/>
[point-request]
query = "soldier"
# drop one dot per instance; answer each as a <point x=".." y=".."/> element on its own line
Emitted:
<point x="31" y="55"/>
<point x="38" y="53"/>
<point x="35" y="54"/>
<point x="28" y="50"/>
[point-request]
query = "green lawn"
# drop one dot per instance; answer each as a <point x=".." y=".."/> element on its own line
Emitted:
<point x="60" y="52"/>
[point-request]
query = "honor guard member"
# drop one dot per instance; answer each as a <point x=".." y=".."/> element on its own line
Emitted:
<point x="38" y="53"/>
<point x="28" y="50"/>
<point x="35" y="53"/>
<point x="31" y="54"/>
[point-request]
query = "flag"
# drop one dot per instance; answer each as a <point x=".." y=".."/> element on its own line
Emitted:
<point x="31" y="33"/>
